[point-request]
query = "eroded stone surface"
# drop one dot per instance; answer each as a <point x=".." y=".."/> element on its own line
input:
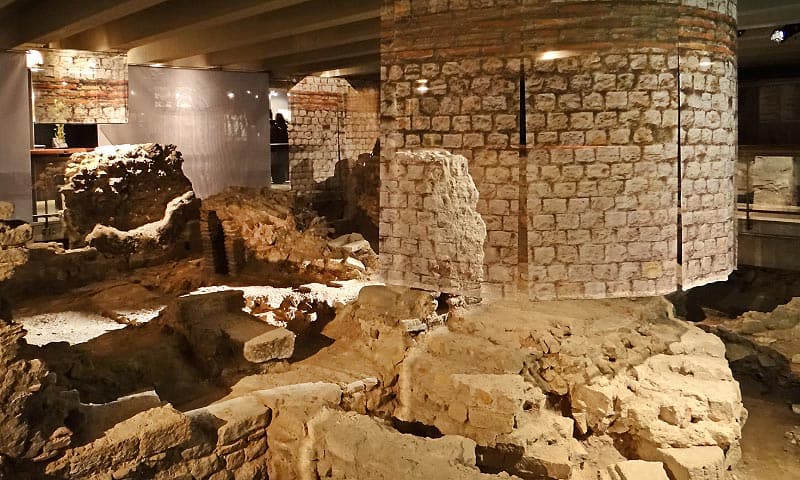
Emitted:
<point x="6" y="210"/>
<point x="124" y="186"/>
<point x="764" y="342"/>
<point x="431" y="233"/>
<point x="349" y="445"/>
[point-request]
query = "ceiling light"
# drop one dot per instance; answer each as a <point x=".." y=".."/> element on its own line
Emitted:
<point x="158" y="65"/>
<point x="780" y="35"/>
<point x="422" y="86"/>
<point x="231" y="95"/>
<point x="33" y="58"/>
<point x="556" y="54"/>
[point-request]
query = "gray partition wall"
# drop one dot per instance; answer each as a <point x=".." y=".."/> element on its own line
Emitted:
<point x="15" y="134"/>
<point x="218" y="120"/>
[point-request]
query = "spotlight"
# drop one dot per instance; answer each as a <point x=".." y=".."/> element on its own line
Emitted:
<point x="780" y="35"/>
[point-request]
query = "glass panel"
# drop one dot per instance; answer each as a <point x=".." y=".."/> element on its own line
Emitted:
<point x="218" y="120"/>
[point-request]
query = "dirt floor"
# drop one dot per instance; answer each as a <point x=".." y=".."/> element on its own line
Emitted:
<point x="768" y="452"/>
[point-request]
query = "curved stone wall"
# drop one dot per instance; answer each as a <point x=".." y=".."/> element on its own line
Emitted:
<point x="589" y="207"/>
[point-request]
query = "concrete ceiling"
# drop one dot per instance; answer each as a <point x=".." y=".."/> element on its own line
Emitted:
<point x="286" y="37"/>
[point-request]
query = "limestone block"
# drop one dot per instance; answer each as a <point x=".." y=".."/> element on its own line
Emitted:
<point x="272" y="345"/>
<point x="695" y="463"/>
<point x="147" y="434"/>
<point x="292" y="407"/>
<point x="637" y="470"/>
<point x="14" y="233"/>
<point x="358" y="446"/>
<point x="235" y="419"/>
<point x="774" y="180"/>
<point x="6" y="210"/>
<point x="96" y="418"/>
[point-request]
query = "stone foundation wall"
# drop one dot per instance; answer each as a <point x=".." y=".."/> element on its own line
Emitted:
<point x="124" y="187"/>
<point x="588" y="208"/>
<point x="331" y="121"/>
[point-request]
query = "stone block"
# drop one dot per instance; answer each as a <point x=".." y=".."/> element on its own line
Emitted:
<point x="272" y="345"/>
<point x="234" y="419"/>
<point x="694" y="463"/>
<point x="637" y="470"/>
<point x="6" y="210"/>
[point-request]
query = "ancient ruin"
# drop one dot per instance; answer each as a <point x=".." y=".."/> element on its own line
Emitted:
<point x="399" y="240"/>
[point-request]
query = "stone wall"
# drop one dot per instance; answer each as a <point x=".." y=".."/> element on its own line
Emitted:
<point x="331" y="121"/>
<point x="709" y="115"/>
<point x="588" y="208"/>
<point x="74" y="86"/>
<point x="14" y="235"/>
<point x="467" y="57"/>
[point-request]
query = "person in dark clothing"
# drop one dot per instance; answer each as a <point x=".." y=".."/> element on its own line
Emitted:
<point x="281" y="130"/>
<point x="279" y="137"/>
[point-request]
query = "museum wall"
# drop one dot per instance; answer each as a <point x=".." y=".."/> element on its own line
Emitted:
<point x="588" y="208"/>
<point x="218" y="120"/>
<point x="15" y="134"/>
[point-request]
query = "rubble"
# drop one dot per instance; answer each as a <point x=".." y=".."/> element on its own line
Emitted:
<point x="34" y="407"/>
<point x="157" y="239"/>
<point x="266" y="227"/>
<point x="763" y="344"/>
<point x="14" y="235"/>
<point x="533" y="384"/>
<point x="123" y="186"/>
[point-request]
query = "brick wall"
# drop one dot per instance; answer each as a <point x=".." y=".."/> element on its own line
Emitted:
<point x="75" y="86"/>
<point x="590" y="207"/>
<point x="330" y="120"/>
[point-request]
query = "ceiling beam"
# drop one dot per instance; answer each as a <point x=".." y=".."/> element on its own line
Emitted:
<point x="334" y="64"/>
<point x="167" y="19"/>
<point x="293" y="45"/>
<point x="369" y="68"/>
<point x="769" y="17"/>
<point x="53" y="20"/>
<point x="324" y="55"/>
<point x="315" y="15"/>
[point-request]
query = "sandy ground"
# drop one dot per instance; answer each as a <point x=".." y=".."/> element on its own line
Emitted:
<point x="71" y="327"/>
<point x="767" y="453"/>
